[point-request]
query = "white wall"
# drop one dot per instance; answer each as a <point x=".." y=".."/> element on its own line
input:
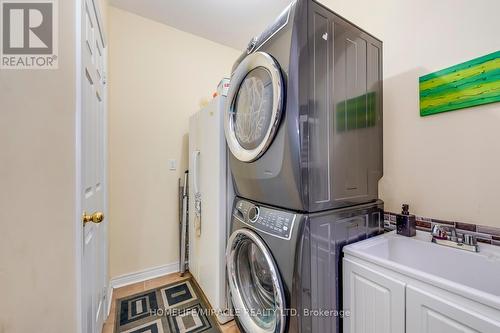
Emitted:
<point x="448" y="165"/>
<point x="157" y="77"/>
<point x="37" y="177"/>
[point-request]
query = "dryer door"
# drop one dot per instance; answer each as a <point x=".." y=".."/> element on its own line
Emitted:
<point x="255" y="285"/>
<point x="254" y="106"/>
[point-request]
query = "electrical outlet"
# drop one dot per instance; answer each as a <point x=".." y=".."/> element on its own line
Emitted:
<point x="172" y="164"/>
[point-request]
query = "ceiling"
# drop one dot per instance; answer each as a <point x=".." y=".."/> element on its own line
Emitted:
<point x="229" y="22"/>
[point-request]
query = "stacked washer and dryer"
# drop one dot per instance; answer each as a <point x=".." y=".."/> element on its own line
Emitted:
<point x="303" y="123"/>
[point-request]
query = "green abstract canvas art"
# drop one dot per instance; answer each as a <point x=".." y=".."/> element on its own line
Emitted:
<point x="468" y="84"/>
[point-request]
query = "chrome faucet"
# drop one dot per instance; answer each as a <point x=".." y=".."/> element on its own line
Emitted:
<point x="448" y="236"/>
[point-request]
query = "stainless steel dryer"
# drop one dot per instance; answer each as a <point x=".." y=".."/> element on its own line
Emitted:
<point x="283" y="266"/>
<point x="304" y="114"/>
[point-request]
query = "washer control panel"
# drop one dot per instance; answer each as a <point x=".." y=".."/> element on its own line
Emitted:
<point x="270" y="221"/>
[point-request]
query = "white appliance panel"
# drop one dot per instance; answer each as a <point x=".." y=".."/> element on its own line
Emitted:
<point x="208" y="169"/>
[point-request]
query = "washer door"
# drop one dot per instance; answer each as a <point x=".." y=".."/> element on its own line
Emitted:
<point x="254" y="106"/>
<point x="255" y="285"/>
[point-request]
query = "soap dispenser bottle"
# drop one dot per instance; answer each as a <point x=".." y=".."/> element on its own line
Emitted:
<point x="406" y="223"/>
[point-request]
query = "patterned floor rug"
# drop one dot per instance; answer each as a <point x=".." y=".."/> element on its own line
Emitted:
<point x="174" y="308"/>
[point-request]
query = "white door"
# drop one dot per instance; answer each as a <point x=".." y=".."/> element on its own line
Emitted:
<point x="93" y="186"/>
<point x="428" y="312"/>
<point x="376" y="302"/>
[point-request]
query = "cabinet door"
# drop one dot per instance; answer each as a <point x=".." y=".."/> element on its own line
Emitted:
<point x="376" y="302"/>
<point x="431" y="313"/>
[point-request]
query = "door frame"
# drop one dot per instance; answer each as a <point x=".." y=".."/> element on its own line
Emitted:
<point x="79" y="306"/>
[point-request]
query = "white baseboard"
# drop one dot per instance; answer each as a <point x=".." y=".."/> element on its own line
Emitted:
<point x="140" y="276"/>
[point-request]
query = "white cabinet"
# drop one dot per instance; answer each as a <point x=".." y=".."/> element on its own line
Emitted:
<point x="380" y="300"/>
<point x="428" y="312"/>
<point x="376" y="303"/>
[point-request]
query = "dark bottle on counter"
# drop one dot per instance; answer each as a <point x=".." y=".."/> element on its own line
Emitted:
<point x="406" y="223"/>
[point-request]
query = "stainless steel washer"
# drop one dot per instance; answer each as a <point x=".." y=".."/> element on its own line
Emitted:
<point x="281" y="264"/>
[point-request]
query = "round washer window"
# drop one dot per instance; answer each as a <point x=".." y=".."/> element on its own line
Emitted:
<point x="256" y="288"/>
<point x="253" y="108"/>
<point x="256" y="284"/>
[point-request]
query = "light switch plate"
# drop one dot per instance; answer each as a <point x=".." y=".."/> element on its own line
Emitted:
<point x="172" y="164"/>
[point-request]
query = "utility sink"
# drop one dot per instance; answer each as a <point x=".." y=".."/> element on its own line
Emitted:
<point x="467" y="273"/>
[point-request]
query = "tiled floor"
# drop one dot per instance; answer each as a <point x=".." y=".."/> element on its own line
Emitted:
<point x="146" y="285"/>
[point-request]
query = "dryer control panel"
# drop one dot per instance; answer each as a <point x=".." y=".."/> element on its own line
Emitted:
<point x="274" y="222"/>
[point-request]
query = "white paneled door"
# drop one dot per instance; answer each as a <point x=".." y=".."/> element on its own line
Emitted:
<point x="428" y="312"/>
<point x="93" y="184"/>
<point x="376" y="302"/>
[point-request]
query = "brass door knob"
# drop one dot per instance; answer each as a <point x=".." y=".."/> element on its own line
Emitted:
<point x="97" y="217"/>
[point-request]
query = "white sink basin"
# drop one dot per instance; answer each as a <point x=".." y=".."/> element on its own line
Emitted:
<point x="474" y="274"/>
